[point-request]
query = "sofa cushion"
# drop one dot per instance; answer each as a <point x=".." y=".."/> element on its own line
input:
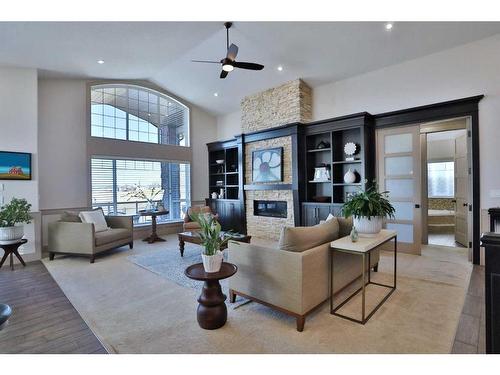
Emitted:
<point x="95" y="217"/>
<point x="71" y="217"/>
<point x="298" y="239"/>
<point x="111" y="235"/>
<point x="345" y="224"/>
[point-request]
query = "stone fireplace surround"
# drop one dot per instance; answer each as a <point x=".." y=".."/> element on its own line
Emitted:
<point x="269" y="110"/>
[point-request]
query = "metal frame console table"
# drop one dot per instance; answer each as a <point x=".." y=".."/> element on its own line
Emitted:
<point x="363" y="247"/>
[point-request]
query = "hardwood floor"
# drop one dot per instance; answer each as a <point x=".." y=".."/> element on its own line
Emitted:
<point x="470" y="337"/>
<point x="43" y="319"/>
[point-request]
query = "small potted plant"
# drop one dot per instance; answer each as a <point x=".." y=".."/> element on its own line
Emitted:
<point x="212" y="239"/>
<point x="17" y="211"/>
<point x="368" y="209"/>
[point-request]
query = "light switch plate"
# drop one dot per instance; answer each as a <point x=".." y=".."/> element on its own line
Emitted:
<point x="495" y="193"/>
<point x="2" y="186"/>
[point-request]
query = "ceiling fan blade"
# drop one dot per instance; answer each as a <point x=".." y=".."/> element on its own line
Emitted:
<point x="223" y="74"/>
<point x="206" y="61"/>
<point x="247" y="65"/>
<point x="232" y="51"/>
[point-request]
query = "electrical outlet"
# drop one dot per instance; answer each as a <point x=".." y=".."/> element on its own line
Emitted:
<point x="495" y="193"/>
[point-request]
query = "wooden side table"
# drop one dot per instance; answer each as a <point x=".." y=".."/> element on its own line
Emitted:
<point x="153" y="237"/>
<point x="363" y="248"/>
<point x="212" y="310"/>
<point x="12" y="249"/>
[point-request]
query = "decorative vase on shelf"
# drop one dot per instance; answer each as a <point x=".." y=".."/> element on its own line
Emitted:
<point x="214" y="195"/>
<point x="349" y="177"/>
<point x="354" y="234"/>
<point x="221" y="194"/>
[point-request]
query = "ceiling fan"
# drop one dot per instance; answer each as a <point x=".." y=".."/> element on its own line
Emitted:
<point x="229" y="62"/>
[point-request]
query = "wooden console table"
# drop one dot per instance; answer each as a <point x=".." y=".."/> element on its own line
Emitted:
<point x="363" y="247"/>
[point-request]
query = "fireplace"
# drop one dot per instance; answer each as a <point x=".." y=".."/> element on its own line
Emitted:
<point x="270" y="208"/>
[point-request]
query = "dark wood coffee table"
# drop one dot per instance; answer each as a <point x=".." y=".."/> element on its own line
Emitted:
<point x="192" y="237"/>
<point x="212" y="310"/>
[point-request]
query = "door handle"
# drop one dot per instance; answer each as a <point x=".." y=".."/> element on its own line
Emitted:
<point x="417" y="205"/>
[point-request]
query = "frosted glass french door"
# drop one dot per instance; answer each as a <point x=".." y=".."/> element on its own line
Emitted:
<point x="398" y="171"/>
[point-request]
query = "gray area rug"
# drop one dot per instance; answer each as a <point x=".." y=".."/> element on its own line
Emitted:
<point x="169" y="264"/>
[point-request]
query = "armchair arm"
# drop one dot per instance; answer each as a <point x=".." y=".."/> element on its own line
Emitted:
<point x="66" y="237"/>
<point x="125" y="222"/>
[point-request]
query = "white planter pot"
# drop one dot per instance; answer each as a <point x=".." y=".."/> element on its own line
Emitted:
<point x="368" y="227"/>
<point x="11" y="234"/>
<point x="212" y="263"/>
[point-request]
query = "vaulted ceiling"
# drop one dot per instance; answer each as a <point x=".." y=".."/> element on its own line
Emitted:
<point x="318" y="52"/>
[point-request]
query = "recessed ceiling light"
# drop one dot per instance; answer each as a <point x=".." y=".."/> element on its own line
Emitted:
<point x="100" y="62"/>
<point x="216" y="94"/>
<point x="280" y="68"/>
<point x="388" y="26"/>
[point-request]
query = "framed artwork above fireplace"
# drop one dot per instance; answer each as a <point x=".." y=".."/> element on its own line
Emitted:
<point x="267" y="165"/>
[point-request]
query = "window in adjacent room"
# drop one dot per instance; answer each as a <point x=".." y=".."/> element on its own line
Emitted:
<point x="135" y="113"/>
<point x="441" y="179"/>
<point x="114" y="179"/>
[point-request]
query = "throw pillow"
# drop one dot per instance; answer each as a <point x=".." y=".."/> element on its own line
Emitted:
<point x="95" y="217"/>
<point x="345" y="224"/>
<point x="299" y="239"/>
<point x="71" y="217"/>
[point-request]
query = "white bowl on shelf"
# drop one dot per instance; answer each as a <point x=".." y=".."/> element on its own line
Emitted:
<point x="219" y="161"/>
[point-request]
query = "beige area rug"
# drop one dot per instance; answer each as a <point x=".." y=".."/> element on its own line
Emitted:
<point x="132" y="310"/>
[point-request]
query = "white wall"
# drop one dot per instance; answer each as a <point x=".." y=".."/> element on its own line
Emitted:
<point x="62" y="143"/>
<point x="18" y="132"/>
<point x="468" y="70"/>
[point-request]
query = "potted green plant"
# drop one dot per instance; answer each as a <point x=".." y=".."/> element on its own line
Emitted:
<point x="12" y="217"/>
<point x="212" y="239"/>
<point x="368" y="209"/>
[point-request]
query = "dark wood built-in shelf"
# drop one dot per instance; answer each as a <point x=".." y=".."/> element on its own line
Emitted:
<point x="320" y="150"/>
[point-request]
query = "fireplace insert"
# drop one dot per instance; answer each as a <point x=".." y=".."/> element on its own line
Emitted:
<point x="270" y="208"/>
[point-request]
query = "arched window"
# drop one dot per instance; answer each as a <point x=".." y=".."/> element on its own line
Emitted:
<point x="136" y="113"/>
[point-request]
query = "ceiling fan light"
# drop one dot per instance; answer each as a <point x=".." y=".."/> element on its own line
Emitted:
<point x="227" y="67"/>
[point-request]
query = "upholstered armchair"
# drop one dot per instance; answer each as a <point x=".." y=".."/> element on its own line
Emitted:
<point x="190" y="225"/>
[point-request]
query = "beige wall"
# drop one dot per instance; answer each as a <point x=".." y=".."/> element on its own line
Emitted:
<point x="63" y="143"/>
<point x="229" y="125"/>
<point x="18" y="132"/>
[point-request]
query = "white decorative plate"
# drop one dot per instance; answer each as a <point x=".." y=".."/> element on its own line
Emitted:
<point x="350" y="148"/>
